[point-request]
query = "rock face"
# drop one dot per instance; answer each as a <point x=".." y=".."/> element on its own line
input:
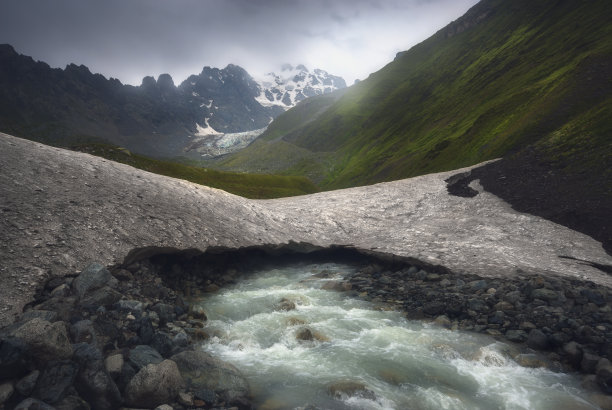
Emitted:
<point x="66" y="209"/>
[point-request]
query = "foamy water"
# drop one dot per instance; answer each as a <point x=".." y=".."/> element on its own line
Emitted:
<point x="390" y="362"/>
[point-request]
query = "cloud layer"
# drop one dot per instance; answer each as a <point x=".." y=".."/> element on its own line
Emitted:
<point x="128" y="39"/>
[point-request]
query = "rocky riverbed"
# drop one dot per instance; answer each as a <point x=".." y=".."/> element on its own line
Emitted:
<point x="127" y="335"/>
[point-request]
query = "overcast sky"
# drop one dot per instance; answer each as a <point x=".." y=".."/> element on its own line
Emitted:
<point x="128" y="39"/>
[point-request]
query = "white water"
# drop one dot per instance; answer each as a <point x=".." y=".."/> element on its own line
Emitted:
<point x="406" y="364"/>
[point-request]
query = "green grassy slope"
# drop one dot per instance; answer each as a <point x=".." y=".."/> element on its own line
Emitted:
<point x="255" y="186"/>
<point x="506" y="75"/>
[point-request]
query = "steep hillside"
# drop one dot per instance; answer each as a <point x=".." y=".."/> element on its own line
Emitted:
<point x="505" y="75"/>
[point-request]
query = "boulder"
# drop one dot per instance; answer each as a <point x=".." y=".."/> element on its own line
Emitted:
<point x="537" y="340"/>
<point x="33" y="404"/>
<point x="202" y="371"/>
<point x="72" y="403"/>
<point x="55" y="381"/>
<point x="143" y="355"/>
<point x="93" y="382"/>
<point x="516" y="336"/>
<point x="285" y="304"/>
<point x="104" y="296"/>
<point x="6" y="391"/>
<point x="26" y="385"/>
<point x="344" y="389"/>
<point x="83" y="332"/>
<point x="13" y="358"/>
<point x="45" y="341"/>
<point x="92" y="277"/>
<point x="154" y="384"/>
<point x="113" y="364"/>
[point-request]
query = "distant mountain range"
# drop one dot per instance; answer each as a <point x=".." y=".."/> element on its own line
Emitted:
<point x="214" y="112"/>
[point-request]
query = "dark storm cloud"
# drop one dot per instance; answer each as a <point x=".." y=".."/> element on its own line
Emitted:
<point x="129" y="39"/>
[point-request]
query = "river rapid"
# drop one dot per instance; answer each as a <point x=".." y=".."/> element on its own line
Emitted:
<point x="301" y="346"/>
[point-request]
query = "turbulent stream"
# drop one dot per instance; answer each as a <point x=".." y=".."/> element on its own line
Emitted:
<point x="336" y="352"/>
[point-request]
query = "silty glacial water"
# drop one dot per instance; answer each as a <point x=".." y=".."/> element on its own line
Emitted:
<point x="300" y="345"/>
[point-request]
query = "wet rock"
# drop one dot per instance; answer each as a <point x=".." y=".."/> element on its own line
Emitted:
<point x="197" y="312"/>
<point x="513" y="296"/>
<point x="497" y="318"/>
<point x="285" y="304"/>
<point x="529" y="360"/>
<point x="26" y="385"/>
<point x="477" y="305"/>
<point x="143" y="355"/>
<point x="33" y="404"/>
<point x="45" y="341"/>
<point x="54" y="381"/>
<point x="202" y="371"/>
<point x="306" y="334"/>
<point x="154" y="384"/>
<point x="443" y="321"/>
<point x="344" y="389"/>
<point x="537" y="340"/>
<point x="337" y="286"/>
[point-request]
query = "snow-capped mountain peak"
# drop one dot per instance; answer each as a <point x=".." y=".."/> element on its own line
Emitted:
<point x="295" y="84"/>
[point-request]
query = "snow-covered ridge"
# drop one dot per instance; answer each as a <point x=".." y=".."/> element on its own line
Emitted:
<point x="295" y="84"/>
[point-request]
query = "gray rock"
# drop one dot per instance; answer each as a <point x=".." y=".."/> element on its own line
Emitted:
<point x="72" y="403"/>
<point x="93" y="382"/>
<point x="162" y="342"/>
<point x="537" y="340"/>
<point x="143" y="355"/>
<point x="434" y="308"/>
<point x="497" y="318"/>
<point x="130" y="305"/>
<point x="165" y="312"/>
<point x="154" y="384"/>
<point x="54" y="381"/>
<point x="13" y="358"/>
<point x="91" y="278"/>
<point x="26" y="385"/>
<point x="33" y="404"/>
<point x="513" y="296"/>
<point x="477" y="305"/>
<point x="113" y="364"/>
<point x="83" y="332"/>
<point x="104" y="296"/>
<point x="604" y="378"/>
<point x="6" y="391"/>
<point x="201" y="371"/>
<point x="478" y="284"/>
<point x="48" y="315"/>
<point x="45" y="341"/>
<point x="589" y="362"/>
<point x="516" y="336"/>
<point x="544" y="294"/>
<point x="573" y="353"/>
<point x="443" y="321"/>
